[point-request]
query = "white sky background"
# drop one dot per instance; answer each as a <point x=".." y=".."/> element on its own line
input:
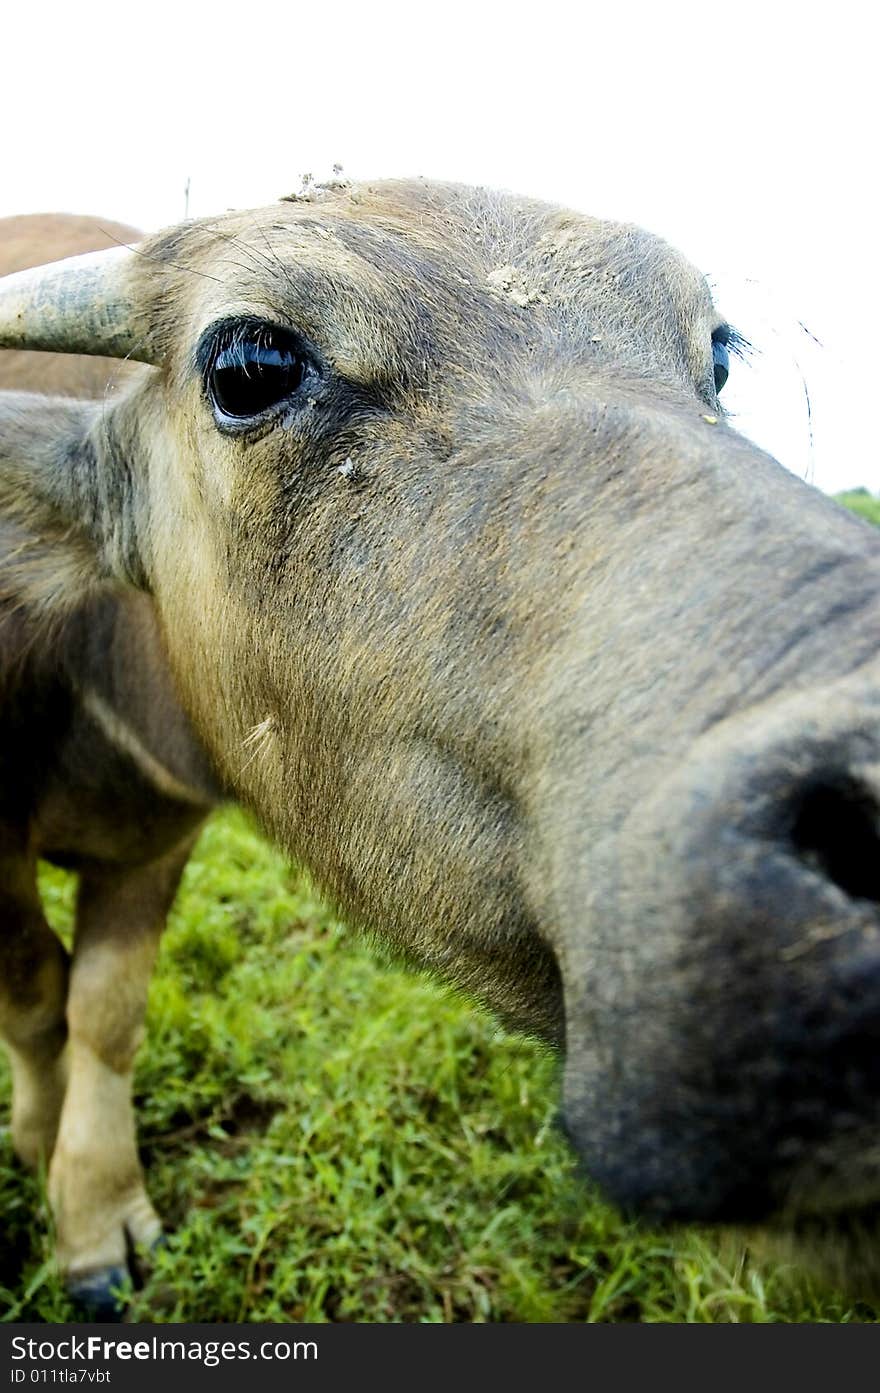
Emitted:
<point x="743" y="133"/>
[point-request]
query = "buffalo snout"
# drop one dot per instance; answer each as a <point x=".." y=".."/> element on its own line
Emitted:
<point x="723" y="1059"/>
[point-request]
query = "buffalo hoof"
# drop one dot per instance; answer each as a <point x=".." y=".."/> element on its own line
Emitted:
<point x="100" y="1295"/>
<point x="104" y="1295"/>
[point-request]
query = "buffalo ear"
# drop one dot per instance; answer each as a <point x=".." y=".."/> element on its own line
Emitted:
<point x="65" y="526"/>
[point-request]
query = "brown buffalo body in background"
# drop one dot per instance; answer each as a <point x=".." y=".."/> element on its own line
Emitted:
<point x="100" y="772"/>
<point x="559" y="683"/>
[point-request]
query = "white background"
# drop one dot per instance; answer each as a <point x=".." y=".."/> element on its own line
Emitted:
<point x="743" y="133"/>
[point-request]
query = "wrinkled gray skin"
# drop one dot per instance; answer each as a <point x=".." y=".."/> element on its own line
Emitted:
<point x="557" y="682"/>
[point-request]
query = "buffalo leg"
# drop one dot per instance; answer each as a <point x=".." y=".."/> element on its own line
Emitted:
<point x="96" y="1185"/>
<point x="33" y="990"/>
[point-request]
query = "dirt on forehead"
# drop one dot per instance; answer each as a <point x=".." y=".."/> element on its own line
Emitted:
<point x="394" y="276"/>
<point x="519" y="251"/>
<point x="441" y="212"/>
<point x="524" y="251"/>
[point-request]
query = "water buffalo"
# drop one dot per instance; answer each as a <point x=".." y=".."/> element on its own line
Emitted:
<point x="556" y="680"/>
<point x="99" y="771"/>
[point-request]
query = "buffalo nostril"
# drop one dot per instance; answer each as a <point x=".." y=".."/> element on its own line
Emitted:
<point x="837" y="832"/>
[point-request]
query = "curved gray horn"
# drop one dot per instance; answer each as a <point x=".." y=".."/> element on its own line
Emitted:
<point x="80" y="305"/>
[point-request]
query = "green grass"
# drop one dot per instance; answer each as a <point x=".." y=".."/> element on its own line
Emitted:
<point x="332" y="1138"/>
<point x="860" y="501"/>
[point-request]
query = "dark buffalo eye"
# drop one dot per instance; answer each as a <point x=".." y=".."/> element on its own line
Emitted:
<point x="252" y="367"/>
<point x="720" y="358"/>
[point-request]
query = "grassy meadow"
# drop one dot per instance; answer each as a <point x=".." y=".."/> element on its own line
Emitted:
<point x="860" y="501"/>
<point x="331" y="1138"/>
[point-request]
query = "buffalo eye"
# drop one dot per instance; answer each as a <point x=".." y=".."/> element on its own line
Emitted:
<point x="720" y="357"/>
<point x="251" y="367"/>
